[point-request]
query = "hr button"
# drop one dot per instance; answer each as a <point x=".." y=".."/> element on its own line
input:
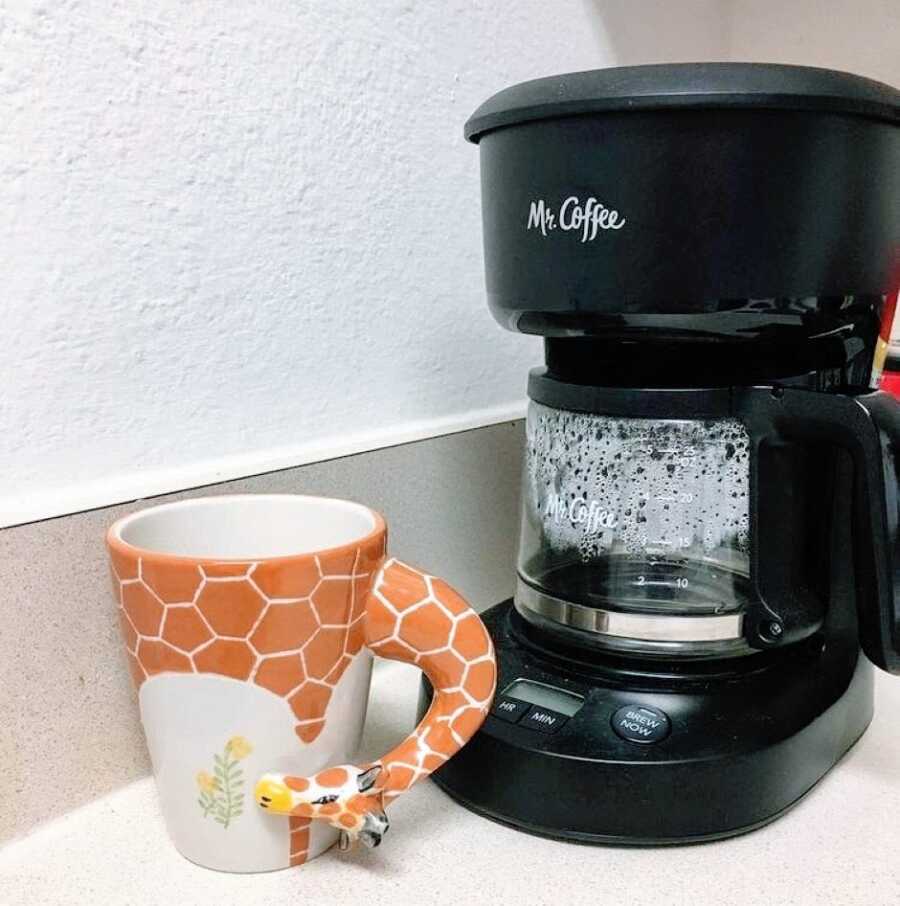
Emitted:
<point x="509" y="709"/>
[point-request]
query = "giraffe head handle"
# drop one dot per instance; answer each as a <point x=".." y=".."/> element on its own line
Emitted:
<point x="347" y="797"/>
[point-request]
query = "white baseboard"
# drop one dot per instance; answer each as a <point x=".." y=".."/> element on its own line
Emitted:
<point x="60" y="501"/>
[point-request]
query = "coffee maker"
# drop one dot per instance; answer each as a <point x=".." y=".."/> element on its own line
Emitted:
<point x="709" y="561"/>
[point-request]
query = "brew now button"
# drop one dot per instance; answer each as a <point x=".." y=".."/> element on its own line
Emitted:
<point x="638" y="723"/>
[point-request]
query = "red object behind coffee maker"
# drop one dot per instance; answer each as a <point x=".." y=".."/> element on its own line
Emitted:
<point x="888" y="347"/>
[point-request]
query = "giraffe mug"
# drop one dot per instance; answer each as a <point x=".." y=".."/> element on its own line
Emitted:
<point x="249" y="624"/>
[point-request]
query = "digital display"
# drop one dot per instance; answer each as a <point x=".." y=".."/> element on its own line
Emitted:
<point x="544" y="696"/>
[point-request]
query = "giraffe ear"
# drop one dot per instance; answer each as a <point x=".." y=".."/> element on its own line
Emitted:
<point x="366" y="780"/>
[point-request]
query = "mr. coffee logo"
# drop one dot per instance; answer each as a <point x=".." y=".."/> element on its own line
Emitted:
<point x="588" y="218"/>
<point x="580" y="511"/>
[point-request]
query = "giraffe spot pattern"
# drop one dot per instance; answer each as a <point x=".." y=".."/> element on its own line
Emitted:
<point x="227" y="657"/>
<point x="442" y="635"/>
<point x="281" y="674"/>
<point x="159" y="657"/>
<point x="420" y="628"/>
<point x="309" y="732"/>
<point x="344" y="807"/>
<point x="299" y="828"/>
<point x="230" y="608"/>
<point x="284" y="626"/>
<point x="332" y="777"/>
<point x="299" y="784"/>
<point x="290" y="626"/>
<point x="310" y="702"/>
<point x="185" y="629"/>
<point x="143" y="609"/>
<point x="172" y="582"/>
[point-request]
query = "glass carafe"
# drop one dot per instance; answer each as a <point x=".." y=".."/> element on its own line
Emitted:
<point x="636" y="530"/>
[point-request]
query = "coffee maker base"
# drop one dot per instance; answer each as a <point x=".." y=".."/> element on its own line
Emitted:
<point x="601" y="754"/>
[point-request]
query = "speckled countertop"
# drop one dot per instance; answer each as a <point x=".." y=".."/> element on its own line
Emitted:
<point x="840" y="845"/>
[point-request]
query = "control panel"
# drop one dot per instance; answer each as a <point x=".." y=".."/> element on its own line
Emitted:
<point x="546" y="709"/>
<point x="536" y="706"/>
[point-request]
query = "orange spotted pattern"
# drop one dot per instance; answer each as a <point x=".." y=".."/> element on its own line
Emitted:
<point x="299" y="839"/>
<point x="302" y="797"/>
<point x="418" y="619"/>
<point x="292" y="626"/>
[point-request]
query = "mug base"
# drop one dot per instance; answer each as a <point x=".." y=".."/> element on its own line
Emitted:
<point x="316" y="849"/>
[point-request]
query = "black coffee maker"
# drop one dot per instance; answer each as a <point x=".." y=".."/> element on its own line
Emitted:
<point x="710" y="496"/>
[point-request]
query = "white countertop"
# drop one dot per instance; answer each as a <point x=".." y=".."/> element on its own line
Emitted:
<point x="840" y="845"/>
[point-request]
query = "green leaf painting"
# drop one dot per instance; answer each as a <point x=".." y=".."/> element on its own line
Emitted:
<point x="221" y="796"/>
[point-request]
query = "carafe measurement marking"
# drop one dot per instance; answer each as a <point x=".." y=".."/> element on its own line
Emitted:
<point x="680" y="582"/>
<point x="666" y="542"/>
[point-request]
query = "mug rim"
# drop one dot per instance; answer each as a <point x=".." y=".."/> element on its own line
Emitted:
<point x="117" y="543"/>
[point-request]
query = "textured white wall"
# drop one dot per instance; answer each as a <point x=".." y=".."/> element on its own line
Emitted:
<point x="235" y="236"/>
<point x="862" y="36"/>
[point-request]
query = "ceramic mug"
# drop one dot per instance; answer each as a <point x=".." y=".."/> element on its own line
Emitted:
<point x="249" y="623"/>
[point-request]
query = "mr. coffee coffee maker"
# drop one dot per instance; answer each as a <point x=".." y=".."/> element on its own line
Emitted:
<point x="710" y="497"/>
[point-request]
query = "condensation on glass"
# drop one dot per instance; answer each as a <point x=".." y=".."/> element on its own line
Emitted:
<point x="641" y="516"/>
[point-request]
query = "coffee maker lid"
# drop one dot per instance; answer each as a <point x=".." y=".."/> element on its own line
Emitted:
<point x="686" y="86"/>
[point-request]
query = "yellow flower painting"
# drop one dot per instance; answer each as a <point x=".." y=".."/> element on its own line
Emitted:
<point x="206" y="782"/>
<point x="221" y="792"/>
<point x="238" y="747"/>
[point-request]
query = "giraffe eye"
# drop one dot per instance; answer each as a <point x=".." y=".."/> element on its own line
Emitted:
<point x="324" y="800"/>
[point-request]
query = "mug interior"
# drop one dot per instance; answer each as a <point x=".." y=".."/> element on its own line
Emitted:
<point x="246" y="526"/>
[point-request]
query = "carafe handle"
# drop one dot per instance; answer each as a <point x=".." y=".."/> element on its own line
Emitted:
<point x="867" y="427"/>
<point x="877" y="522"/>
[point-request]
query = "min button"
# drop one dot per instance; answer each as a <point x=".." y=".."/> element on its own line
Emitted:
<point x="638" y="723"/>
<point x="543" y="719"/>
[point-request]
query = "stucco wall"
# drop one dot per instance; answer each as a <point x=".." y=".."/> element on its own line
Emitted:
<point x="241" y="236"/>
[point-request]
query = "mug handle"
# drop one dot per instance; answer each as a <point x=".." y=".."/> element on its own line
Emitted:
<point x="417" y="619"/>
